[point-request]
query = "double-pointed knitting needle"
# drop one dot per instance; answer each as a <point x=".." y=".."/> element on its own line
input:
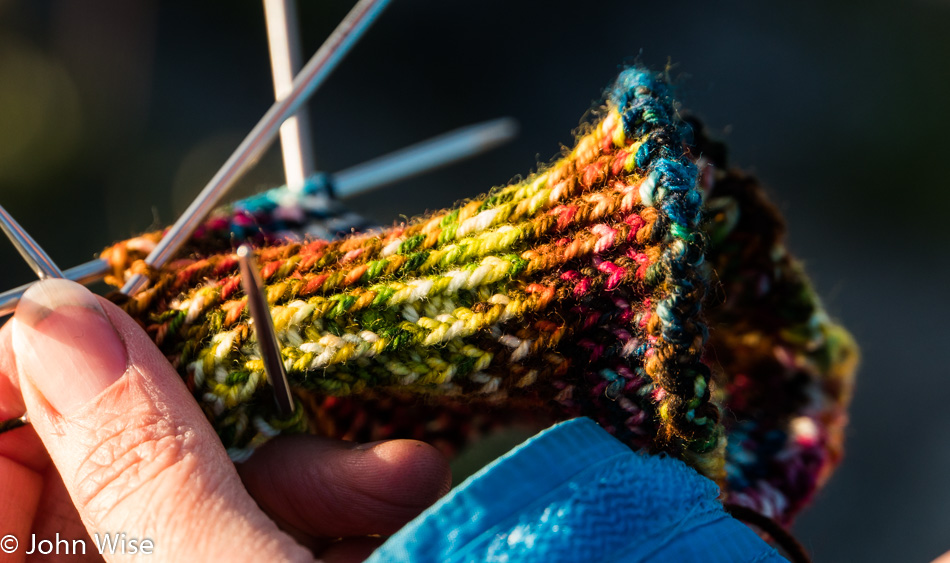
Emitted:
<point x="424" y="156"/>
<point x="14" y="423"/>
<point x="264" y="329"/>
<point x="29" y="250"/>
<point x="262" y="135"/>
<point x="85" y="273"/>
<point x="44" y="267"/>
<point x="283" y="41"/>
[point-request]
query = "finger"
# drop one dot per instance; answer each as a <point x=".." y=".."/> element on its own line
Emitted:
<point x="19" y="496"/>
<point x="11" y="403"/>
<point x="21" y="459"/>
<point x="135" y="451"/>
<point x="330" y="488"/>
<point x="21" y="445"/>
<point x="33" y="499"/>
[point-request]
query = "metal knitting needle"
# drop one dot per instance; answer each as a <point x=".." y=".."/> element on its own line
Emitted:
<point x="44" y="267"/>
<point x="87" y="273"/>
<point x="264" y="329"/>
<point x="29" y="250"/>
<point x="283" y="40"/>
<point x="427" y="155"/>
<point x="313" y="74"/>
<point x="14" y="423"/>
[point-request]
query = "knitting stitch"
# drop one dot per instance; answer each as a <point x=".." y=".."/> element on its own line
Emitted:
<point x="582" y="290"/>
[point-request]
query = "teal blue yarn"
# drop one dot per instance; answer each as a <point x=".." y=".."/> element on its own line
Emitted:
<point x="645" y="102"/>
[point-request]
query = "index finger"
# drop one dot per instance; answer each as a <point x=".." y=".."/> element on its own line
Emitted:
<point x="21" y="445"/>
<point x="22" y="458"/>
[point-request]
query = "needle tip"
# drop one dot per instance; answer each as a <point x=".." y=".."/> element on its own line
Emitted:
<point x="28" y="248"/>
<point x="504" y="128"/>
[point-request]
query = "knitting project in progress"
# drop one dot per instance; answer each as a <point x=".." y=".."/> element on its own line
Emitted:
<point x="636" y="281"/>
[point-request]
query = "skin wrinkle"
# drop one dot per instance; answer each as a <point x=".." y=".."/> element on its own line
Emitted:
<point x="125" y="459"/>
<point x="120" y="445"/>
<point x="132" y="472"/>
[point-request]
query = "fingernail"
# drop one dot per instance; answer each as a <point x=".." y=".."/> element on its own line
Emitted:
<point x="65" y="344"/>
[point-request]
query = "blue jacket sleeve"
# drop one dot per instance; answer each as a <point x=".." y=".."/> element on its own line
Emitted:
<point x="574" y="493"/>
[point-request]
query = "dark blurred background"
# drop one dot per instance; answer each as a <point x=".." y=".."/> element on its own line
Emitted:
<point x="114" y="114"/>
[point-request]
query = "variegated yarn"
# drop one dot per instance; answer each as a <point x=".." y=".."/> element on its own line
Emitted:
<point x="634" y="281"/>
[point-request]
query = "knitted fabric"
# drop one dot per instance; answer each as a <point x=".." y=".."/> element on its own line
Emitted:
<point x="586" y="289"/>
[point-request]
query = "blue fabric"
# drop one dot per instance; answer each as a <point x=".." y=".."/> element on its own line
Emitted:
<point x="574" y="493"/>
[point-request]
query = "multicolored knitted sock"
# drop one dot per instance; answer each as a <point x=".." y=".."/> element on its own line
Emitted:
<point x="635" y="281"/>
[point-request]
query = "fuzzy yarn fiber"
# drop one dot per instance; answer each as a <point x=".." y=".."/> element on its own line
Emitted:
<point x="636" y="281"/>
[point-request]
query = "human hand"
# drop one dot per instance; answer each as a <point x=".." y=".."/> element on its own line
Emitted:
<point x="118" y="445"/>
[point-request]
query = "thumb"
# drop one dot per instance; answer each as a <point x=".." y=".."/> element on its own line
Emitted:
<point x="135" y="451"/>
